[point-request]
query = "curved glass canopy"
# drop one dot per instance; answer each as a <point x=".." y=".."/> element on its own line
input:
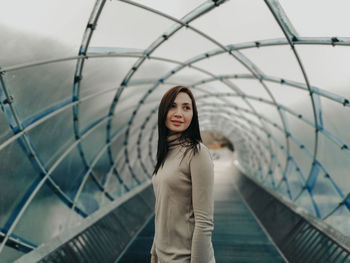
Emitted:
<point x="80" y="84"/>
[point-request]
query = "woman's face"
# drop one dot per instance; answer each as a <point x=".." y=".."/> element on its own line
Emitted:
<point x="180" y="114"/>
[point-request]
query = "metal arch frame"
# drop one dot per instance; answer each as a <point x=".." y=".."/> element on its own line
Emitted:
<point x="238" y="109"/>
<point x="252" y="123"/>
<point x="254" y="150"/>
<point x="302" y="178"/>
<point x="41" y="183"/>
<point x="240" y="117"/>
<point x="284" y="176"/>
<point x="327" y="41"/>
<point x="209" y="122"/>
<point x="242" y="127"/>
<point x="224" y="101"/>
<point x="89" y="30"/>
<point x="141" y="131"/>
<point x="326" y="94"/>
<point x="276" y="11"/>
<point x="205" y="7"/>
<point x="143" y="126"/>
<point x="25" y="143"/>
<point x="20" y="243"/>
<point x="328" y="134"/>
<point x="242" y="59"/>
<point x="286" y="82"/>
<point x="249" y="122"/>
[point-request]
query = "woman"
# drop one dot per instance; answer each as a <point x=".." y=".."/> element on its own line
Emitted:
<point x="183" y="184"/>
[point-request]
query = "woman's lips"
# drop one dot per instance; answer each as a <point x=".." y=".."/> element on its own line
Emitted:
<point x="177" y="123"/>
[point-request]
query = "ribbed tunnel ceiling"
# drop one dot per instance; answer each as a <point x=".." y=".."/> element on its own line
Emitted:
<point x="81" y="83"/>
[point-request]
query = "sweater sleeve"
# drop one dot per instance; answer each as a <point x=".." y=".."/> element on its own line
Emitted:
<point x="154" y="257"/>
<point x="202" y="175"/>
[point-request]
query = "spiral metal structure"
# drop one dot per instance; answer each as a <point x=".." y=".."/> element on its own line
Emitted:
<point x="78" y="123"/>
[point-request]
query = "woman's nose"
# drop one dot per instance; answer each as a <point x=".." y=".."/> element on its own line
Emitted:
<point x="178" y="112"/>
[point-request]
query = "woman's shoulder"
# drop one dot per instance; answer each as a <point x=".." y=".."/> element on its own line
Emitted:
<point x="202" y="152"/>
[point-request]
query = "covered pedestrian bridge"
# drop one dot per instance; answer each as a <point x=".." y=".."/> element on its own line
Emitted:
<point x="80" y="84"/>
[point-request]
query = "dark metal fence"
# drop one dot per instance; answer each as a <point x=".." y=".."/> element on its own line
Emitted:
<point x="102" y="240"/>
<point x="300" y="236"/>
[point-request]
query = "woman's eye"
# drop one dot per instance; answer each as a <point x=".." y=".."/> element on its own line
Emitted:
<point x="187" y="107"/>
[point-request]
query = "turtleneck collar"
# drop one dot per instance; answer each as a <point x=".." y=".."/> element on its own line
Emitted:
<point x="173" y="140"/>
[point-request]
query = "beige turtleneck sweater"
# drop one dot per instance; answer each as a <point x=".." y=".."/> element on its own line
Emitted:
<point x="184" y="206"/>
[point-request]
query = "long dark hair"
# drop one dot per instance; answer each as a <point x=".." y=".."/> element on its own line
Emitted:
<point x="190" y="138"/>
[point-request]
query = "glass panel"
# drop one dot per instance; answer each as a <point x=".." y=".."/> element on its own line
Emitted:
<point x="303" y="132"/>
<point x="335" y="119"/>
<point x="157" y="94"/>
<point x="178" y="48"/>
<point x="103" y="74"/>
<point x="267" y="110"/>
<point x="126" y="176"/>
<point x="57" y="133"/>
<point x="131" y="97"/>
<point x="252" y="118"/>
<point x="302" y="160"/>
<point x="323" y="22"/>
<point x="91" y="198"/>
<point x="94" y="110"/>
<point x="71" y="165"/>
<point x="112" y="185"/>
<point x="153" y="69"/>
<point x="17" y="177"/>
<point x="238" y="21"/>
<point x="336" y="163"/>
<point x="294" y="181"/>
<point x="118" y="145"/>
<point x="187" y="76"/>
<point x="102" y="167"/>
<point x="236" y="101"/>
<point x="41" y="87"/>
<point x="297" y="100"/>
<point x="325" y="195"/>
<point x="284" y="190"/>
<point x="282" y="159"/>
<point x="277" y="175"/>
<point x="212" y="103"/>
<point x="144" y="153"/>
<point x="305" y="202"/>
<point x="276" y="61"/>
<point x="45" y="218"/>
<point x="215" y="86"/>
<point x="326" y="67"/>
<point x="37" y="35"/>
<point x="94" y="143"/>
<point x="252" y="87"/>
<point x="119" y="20"/>
<point x="9" y="254"/>
<point x="340" y="220"/>
<point x="121" y="119"/>
<point x="5" y="131"/>
<point x="228" y="65"/>
<point x="177" y="8"/>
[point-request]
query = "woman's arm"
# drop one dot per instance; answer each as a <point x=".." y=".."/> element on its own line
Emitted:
<point x="202" y="175"/>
